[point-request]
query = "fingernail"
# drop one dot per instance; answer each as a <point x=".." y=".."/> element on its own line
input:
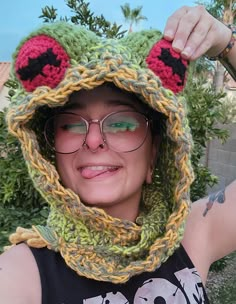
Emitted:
<point x="187" y="51"/>
<point x="169" y="34"/>
<point x="177" y="45"/>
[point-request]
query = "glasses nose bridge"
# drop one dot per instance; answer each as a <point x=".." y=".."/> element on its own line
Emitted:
<point x="92" y="140"/>
<point x="96" y="122"/>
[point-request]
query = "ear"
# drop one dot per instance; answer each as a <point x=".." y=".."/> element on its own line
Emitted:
<point x="154" y="154"/>
<point x="168" y="65"/>
<point x="152" y="51"/>
<point x="44" y="56"/>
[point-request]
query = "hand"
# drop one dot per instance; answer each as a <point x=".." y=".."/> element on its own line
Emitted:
<point x="195" y="32"/>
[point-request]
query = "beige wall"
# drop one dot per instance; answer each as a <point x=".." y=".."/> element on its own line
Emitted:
<point x="222" y="158"/>
<point x="3" y="99"/>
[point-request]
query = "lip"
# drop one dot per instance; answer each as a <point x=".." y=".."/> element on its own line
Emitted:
<point x="98" y="171"/>
<point x="101" y="164"/>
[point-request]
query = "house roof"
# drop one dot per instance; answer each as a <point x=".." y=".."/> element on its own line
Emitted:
<point x="4" y="73"/>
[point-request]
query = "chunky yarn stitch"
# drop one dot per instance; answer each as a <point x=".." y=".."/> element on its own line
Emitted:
<point x="41" y="61"/>
<point x="93" y="243"/>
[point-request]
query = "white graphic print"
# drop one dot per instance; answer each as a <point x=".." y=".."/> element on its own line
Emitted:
<point x="109" y="298"/>
<point x="194" y="292"/>
<point x="160" y="291"/>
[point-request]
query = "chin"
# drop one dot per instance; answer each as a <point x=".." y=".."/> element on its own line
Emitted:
<point x="101" y="203"/>
<point x="97" y="200"/>
<point x="104" y="206"/>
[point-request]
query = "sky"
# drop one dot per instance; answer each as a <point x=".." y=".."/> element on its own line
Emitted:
<point x="19" y="17"/>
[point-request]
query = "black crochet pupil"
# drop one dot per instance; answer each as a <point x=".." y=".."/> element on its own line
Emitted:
<point x="35" y="65"/>
<point x="175" y="63"/>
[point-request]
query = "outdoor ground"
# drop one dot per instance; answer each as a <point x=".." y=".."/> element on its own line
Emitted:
<point x="221" y="286"/>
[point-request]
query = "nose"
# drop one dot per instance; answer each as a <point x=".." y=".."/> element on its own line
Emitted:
<point x="94" y="140"/>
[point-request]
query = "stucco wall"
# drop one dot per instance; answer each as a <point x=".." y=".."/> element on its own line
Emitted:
<point x="222" y="158"/>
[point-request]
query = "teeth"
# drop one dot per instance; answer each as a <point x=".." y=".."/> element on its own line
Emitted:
<point x="99" y="168"/>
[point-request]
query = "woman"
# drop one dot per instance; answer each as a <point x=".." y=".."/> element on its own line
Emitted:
<point x="114" y="165"/>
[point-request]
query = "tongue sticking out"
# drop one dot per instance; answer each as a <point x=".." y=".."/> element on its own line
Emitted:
<point x="91" y="172"/>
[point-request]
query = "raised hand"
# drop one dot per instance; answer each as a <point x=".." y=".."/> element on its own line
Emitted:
<point x="195" y="32"/>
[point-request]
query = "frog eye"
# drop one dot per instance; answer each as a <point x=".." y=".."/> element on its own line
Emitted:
<point x="168" y="65"/>
<point x="41" y="61"/>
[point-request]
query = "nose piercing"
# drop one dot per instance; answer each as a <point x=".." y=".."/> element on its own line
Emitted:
<point x="102" y="146"/>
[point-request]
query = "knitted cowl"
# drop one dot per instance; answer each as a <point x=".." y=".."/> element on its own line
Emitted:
<point x="48" y="66"/>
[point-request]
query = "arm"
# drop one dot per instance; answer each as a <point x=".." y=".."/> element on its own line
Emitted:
<point x="210" y="231"/>
<point x="19" y="277"/>
<point x="195" y="32"/>
<point x="209" y="234"/>
<point x="222" y="224"/>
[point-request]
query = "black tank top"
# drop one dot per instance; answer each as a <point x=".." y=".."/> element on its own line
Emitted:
<point x="175" y="282"/>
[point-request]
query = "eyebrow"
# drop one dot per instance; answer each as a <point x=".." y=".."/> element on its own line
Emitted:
<point x="112" y="102"/>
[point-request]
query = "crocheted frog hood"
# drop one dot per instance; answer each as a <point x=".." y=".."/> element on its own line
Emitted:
<point x="48" y="66"/>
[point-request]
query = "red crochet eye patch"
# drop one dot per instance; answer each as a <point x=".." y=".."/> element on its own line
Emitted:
<point x="41" y="61"/>
<point x="167" y="65"/>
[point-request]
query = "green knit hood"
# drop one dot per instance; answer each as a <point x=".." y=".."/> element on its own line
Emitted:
<point x="49" y="65"/>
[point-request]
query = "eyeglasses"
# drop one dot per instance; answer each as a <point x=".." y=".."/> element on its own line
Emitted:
<point x="123" y="131"/>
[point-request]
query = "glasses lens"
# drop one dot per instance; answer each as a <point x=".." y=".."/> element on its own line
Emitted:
<point x="125" y="131"/>
<point x="65" y="132"/>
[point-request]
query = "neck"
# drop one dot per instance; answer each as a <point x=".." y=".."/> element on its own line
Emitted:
<point x="126" y="210"/>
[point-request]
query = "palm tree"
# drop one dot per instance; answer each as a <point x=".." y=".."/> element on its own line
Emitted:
<point x="132" y="15"/>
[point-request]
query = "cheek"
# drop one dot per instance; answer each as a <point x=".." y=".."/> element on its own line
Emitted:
<point x="141" y="160"/>
<point x="149" y="151"/>
<point x="63" y="165"/>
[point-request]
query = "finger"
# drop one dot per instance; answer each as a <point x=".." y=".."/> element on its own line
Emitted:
<point x="186" y="26"/>
<point x="173" y="22"/>
<point x="209" y="37"/>
<point x="193" y="49"/>
<point x="199" y="40"/>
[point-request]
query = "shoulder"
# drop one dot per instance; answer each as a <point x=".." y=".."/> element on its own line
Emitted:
<point x="210" y="230"/>
<point x="18" y="270"/>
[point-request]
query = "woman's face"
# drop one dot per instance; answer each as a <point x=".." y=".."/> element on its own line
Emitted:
<point x="101" y="177"/>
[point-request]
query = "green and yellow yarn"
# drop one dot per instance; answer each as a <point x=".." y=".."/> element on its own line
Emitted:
<point x="93" y="243"/>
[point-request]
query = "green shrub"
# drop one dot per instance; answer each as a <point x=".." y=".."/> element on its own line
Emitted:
<point x="228" y="108"/>
<point x="20" y="203"/>
<point x="203" y="105"/>
<point x="12" y="217"/>
<point x="219" y="265"/>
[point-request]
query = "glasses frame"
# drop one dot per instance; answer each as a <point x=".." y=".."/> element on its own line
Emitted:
<point x="100" y="123"/>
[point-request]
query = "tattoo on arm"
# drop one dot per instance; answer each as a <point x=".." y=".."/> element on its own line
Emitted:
<point x="218" y="197"/>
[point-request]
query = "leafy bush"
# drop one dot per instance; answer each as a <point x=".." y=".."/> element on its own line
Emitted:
<point x="228" y="108"/>
<point x="82" y="15"/>
<point x="203" y="113"/>
<point x="220" y="264"/>
<point x="12" y="217"/>
<point x="20" y="203"/>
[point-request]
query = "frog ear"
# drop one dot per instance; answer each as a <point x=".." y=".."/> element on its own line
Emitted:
<point x="168" y="65"/>
<point x="44" y="56"/>
<point x="151" y="51"/>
